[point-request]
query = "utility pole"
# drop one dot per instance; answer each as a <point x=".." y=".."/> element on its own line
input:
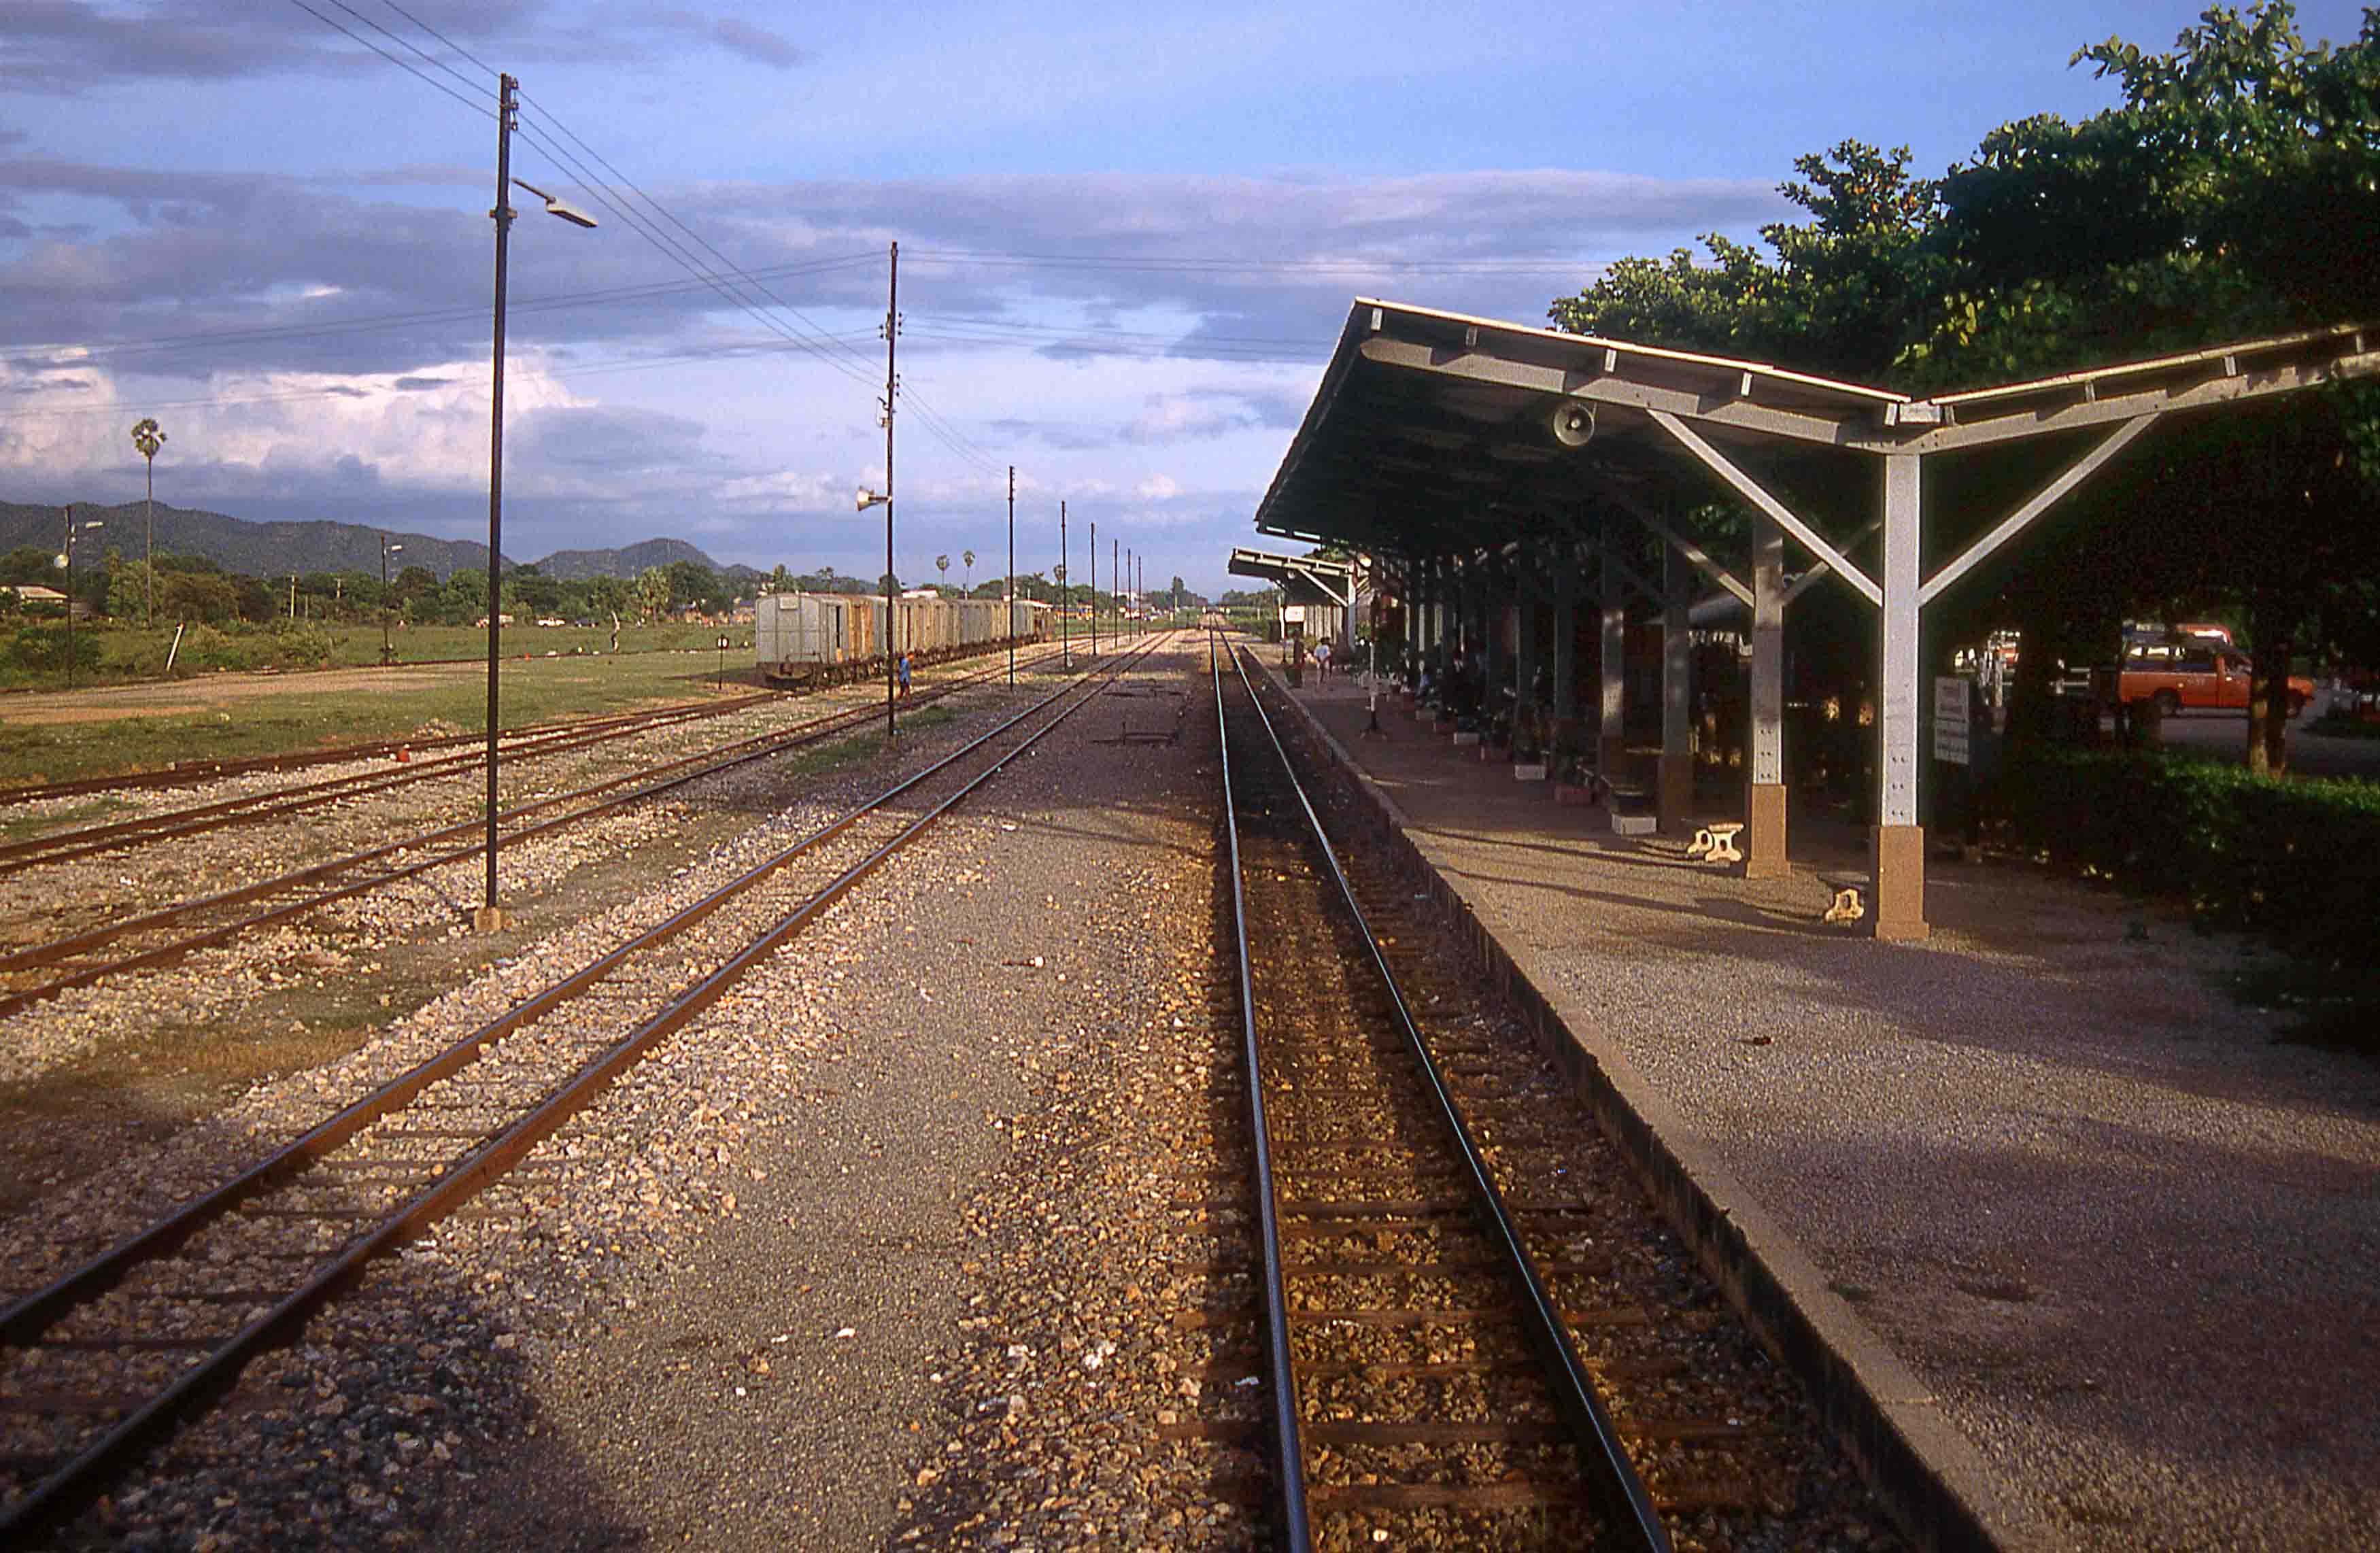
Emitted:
<point x="387" y="652"/>
<point x="892" y="387"/>
<point x="1094" y="594"/>
<point x="1011" y="576"/>
<point x="1115" y="587"/>
<point x="1065" y="604"/>
<point x="492" y="919"/>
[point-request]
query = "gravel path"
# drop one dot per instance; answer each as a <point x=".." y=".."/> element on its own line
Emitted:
<point x="2127" y="1236"/>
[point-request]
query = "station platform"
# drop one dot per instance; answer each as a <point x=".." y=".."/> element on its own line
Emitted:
<point x="2038" y="1194"/>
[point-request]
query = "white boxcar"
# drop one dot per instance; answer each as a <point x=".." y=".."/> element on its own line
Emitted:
<point x="796" y="636"/>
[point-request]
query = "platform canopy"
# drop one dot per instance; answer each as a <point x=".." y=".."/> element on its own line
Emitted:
<point x="1436" y="436"/>
<point x="1303" y="579"/>
<point x="1435" y="431"/>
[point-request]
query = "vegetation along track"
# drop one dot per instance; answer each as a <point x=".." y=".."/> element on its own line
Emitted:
<point x="105" y="1362"/>
<point x="1474" y="1333"/>
<point x="116" y="942"/>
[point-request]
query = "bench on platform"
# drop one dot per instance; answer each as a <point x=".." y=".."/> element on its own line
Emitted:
<point x="1849" y="902"/>
<point x="1715" y="842"/>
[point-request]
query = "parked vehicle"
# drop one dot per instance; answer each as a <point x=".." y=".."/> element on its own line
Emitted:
<point x="2198" y="674"/>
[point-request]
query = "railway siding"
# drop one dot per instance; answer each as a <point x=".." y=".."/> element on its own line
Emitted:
<point x="631" y="1190"/>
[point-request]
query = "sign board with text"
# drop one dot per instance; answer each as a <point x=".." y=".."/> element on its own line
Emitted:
<point x="1951" y="699"/>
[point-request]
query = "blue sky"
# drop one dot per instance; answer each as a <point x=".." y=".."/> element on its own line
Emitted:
<point x="1129" y="237"/>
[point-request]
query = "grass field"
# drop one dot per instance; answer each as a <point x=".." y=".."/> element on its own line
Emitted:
<point x="129" y="655"/>
<point x="54" y="738"/>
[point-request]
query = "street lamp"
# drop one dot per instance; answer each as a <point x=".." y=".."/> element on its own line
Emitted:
<point x="868" y="499"/>
<point x="65" y="562"/>
<point x="488" y="918"/>
<point x="387" y="652"/>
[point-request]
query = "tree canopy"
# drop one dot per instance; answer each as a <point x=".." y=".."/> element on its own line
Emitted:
<point x="2232" y="191"/>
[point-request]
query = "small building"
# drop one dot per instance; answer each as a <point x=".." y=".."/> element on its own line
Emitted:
<point x="33" y="599"/>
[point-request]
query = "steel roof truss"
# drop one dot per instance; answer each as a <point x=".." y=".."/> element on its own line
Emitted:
<point x="1531" y="378"/>
<point x="1754" y="493"/>
<point x="2018" y="521"/>
<point x="1696" y="555"/>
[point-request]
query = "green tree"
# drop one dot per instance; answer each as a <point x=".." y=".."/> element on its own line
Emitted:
<point x="652" y="594"/>
<point x="1843" y="294"/>
<point x="148" y="441"/>
<point x="2234" y="191"/>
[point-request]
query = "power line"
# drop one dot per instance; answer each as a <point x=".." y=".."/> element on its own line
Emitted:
<point x="672" y="219"/>
<point x="643" y="291"/>
<point x="603" y="194"/>
<point x="332" y="22"/>
<point x="1558" y="264"/>
<point x="441" y="37"/>
<point x="416" y="50"/>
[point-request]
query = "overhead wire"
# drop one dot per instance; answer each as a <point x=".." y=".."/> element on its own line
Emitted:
<point x="570" y="164"/>
<point x="671" y="217"/>
<point x="642" y="291"/>
<point x="416" y="50"/>
<point x="335" y="23"/>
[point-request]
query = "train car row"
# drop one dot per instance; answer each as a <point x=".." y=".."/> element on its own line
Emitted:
<point x="803" y="638"/>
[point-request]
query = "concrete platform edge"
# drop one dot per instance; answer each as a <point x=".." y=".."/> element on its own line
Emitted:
<point x="1929" y="1475"/>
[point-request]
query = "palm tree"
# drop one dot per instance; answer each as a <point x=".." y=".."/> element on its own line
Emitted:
<point x="966" y="578"/>
<point x="148" y="440"/>
<point x="943" y="563"/>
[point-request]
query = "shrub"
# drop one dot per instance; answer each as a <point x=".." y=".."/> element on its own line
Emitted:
<point x="2297" y="863"/>
<point x="300" y="646"/>
<point x="204" y="647"/>
<point x="43" y="649"/>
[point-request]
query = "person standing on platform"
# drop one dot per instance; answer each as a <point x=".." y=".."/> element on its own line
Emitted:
<point x="1322" y="661"/>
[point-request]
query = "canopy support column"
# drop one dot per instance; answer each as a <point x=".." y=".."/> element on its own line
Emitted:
<point x="1562" y="732"/>
<point x="1611" y="731"/>
<point x="1900" y="846"/>
<point x="1528" y="613"/>
<point x="1765" y="806"/>
<point x="1675" y="789"/>
<point x="1490" y="603"/>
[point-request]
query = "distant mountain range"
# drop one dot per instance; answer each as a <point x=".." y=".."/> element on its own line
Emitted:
<point x="278" y="548"/>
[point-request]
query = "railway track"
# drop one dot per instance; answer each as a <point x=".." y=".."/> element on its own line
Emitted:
<point x="1417" y="1356"/>
<point x="527" y="744"/>
<point x="107" y="1362"/>
<point x="88" y="841"/>
<point x="192" y="772"/>
<point x="114" y="943"/>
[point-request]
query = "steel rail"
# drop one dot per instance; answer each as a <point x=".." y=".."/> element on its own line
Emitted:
<point x="705" y="763"/>
<point x="197" y="772"/>
<point x="60" y="846"/>
<point x="1613" y="1479"/>
<point x="524" y="745"/>
<point x="81" y="1478"/>
<point x="1297" y="1530"/>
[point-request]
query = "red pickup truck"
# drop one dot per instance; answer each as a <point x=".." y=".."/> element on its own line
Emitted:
<point x="2195" y="674"/>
